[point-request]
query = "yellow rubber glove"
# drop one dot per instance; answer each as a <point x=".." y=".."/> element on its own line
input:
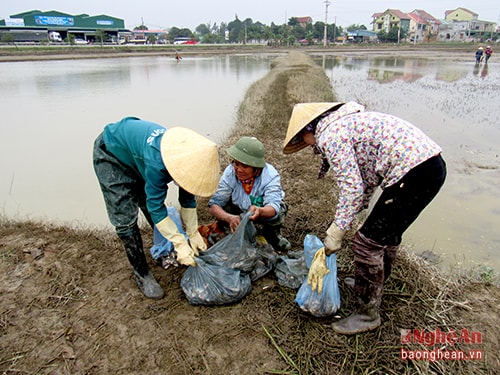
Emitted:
<point x="185" y="254"/>
<point x="333" y="239"/>
<point x="318" y="271"/>
<point x="190" y="219"/>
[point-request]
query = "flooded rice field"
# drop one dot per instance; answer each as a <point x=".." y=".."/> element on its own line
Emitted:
<point x="46" y="144"/>
<point x="457" y="104"/>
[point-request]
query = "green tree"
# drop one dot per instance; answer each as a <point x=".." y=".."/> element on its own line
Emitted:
<point x="382" y="36"/>
<point x="355" y="27"/>
<point x="235" y="30"/>
<point x="8" y="38"/>
<point x="203" y="29"/>
<point x="70" y="39"/>
<point x="395" y="34"/>
<point x="175" y="32"/>
<point x="101" y="36"/>
<point x="151" y="39"/>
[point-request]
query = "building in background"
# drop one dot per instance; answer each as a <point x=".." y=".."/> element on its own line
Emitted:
<point x="389" y="19"/>
<point x="462" y="24"/>
<point x="36" y="26"/>
<point x="423" y="27"/>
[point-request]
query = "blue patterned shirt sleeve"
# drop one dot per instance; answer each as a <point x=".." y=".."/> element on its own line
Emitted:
<point x="266" y="191"/>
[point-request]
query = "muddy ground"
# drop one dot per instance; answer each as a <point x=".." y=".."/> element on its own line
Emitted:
<point x="69" y="304"/>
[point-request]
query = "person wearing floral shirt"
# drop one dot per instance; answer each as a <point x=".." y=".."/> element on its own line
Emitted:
<point x="366" y="150"/>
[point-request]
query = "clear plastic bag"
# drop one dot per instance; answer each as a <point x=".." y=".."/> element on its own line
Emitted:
<point x="328" y="301"/>
<point x="236" y="250"/>
<point x="291" y="272"/>
<point x="209" y="284"/>
<point x="222" y="275"/>
<point x="266" y="261"/>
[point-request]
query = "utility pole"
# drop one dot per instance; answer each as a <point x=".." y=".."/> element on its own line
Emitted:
<point x="327" y="3"/>
<point x="335" y="31"/>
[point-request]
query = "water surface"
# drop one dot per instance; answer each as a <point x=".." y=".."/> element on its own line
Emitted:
<point x="53" y="110"/>
<point x="456" y="104"/>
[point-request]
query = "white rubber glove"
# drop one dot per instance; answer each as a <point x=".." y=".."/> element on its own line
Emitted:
<point x="190" y="219"/>
<point x="185" y="254"/>
<point x="318" y="271"/>
<point x="333" y="239"/>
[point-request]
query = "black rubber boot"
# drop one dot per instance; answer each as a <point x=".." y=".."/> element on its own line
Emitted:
<point x="143" y="276"/>
<point x="368" y="285"/>
<point x="366" y="318"/>
<point x="390" y="253"/>
<point x="275" y="239"/>
<point x="349" y="281"/>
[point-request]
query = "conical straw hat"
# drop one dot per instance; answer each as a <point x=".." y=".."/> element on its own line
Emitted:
<point x="302" y="115"/>
<point x="192" y="160"/>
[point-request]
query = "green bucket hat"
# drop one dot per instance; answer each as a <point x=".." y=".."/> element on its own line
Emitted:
<point x="249" y="151"/>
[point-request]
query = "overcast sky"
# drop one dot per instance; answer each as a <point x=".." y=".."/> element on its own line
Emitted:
<point x="164" y="14"/>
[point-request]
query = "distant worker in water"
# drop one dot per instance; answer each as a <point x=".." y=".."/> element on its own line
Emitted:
<point x="134" y="160"/>
<point x="178" y="56"/>
<point x="479" y="55"/>
<point x="487" y="54"/>
<point x="366" y="150"/>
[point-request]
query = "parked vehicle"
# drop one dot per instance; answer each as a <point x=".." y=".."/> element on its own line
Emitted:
<point x="31" y="36"/>
<point x="81" y="41"/>
<point x="54" y="36"/>
<point x="184" y="40"/>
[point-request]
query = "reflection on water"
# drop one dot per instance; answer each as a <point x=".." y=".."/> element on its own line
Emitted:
<point x="483" y="68"/>
<point x="456" y="104"/>
<point x="53" y="110"/>
<point x="391" y="69"/>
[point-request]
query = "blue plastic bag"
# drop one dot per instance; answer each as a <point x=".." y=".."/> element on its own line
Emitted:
<point x="328" y="301"/>
<point x="161" y="246"/>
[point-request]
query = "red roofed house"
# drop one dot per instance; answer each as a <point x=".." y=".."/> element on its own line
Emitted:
<point x="304" y="21"/>
<point x="390" y="18"/>
<point x="471" y="26"/>
<point x="423" y="26"/>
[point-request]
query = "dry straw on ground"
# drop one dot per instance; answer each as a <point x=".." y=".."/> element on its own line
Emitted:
<point x="70" y="306"/>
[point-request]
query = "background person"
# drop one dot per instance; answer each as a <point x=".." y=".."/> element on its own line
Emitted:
<point x="366" y="150"/>
<point x="251" y="184"/>
<point x="134" y="160"/>
<point x="487" y="54"/>
<point x="479" y="55"/>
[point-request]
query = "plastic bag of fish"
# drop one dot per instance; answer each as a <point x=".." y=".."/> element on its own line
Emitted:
<point x="328" y="301"/>
<point x="209" y="284"/>
<point x="223" y="272"/>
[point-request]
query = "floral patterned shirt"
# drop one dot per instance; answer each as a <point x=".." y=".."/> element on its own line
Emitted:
<point x="366" y="150"/>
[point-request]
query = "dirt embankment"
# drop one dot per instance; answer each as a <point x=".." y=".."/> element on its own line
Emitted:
<point x="34" y="53"/>
<point x="70" y="305"/>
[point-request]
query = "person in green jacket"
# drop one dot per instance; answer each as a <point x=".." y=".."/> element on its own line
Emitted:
<point x="134" y="161"/>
